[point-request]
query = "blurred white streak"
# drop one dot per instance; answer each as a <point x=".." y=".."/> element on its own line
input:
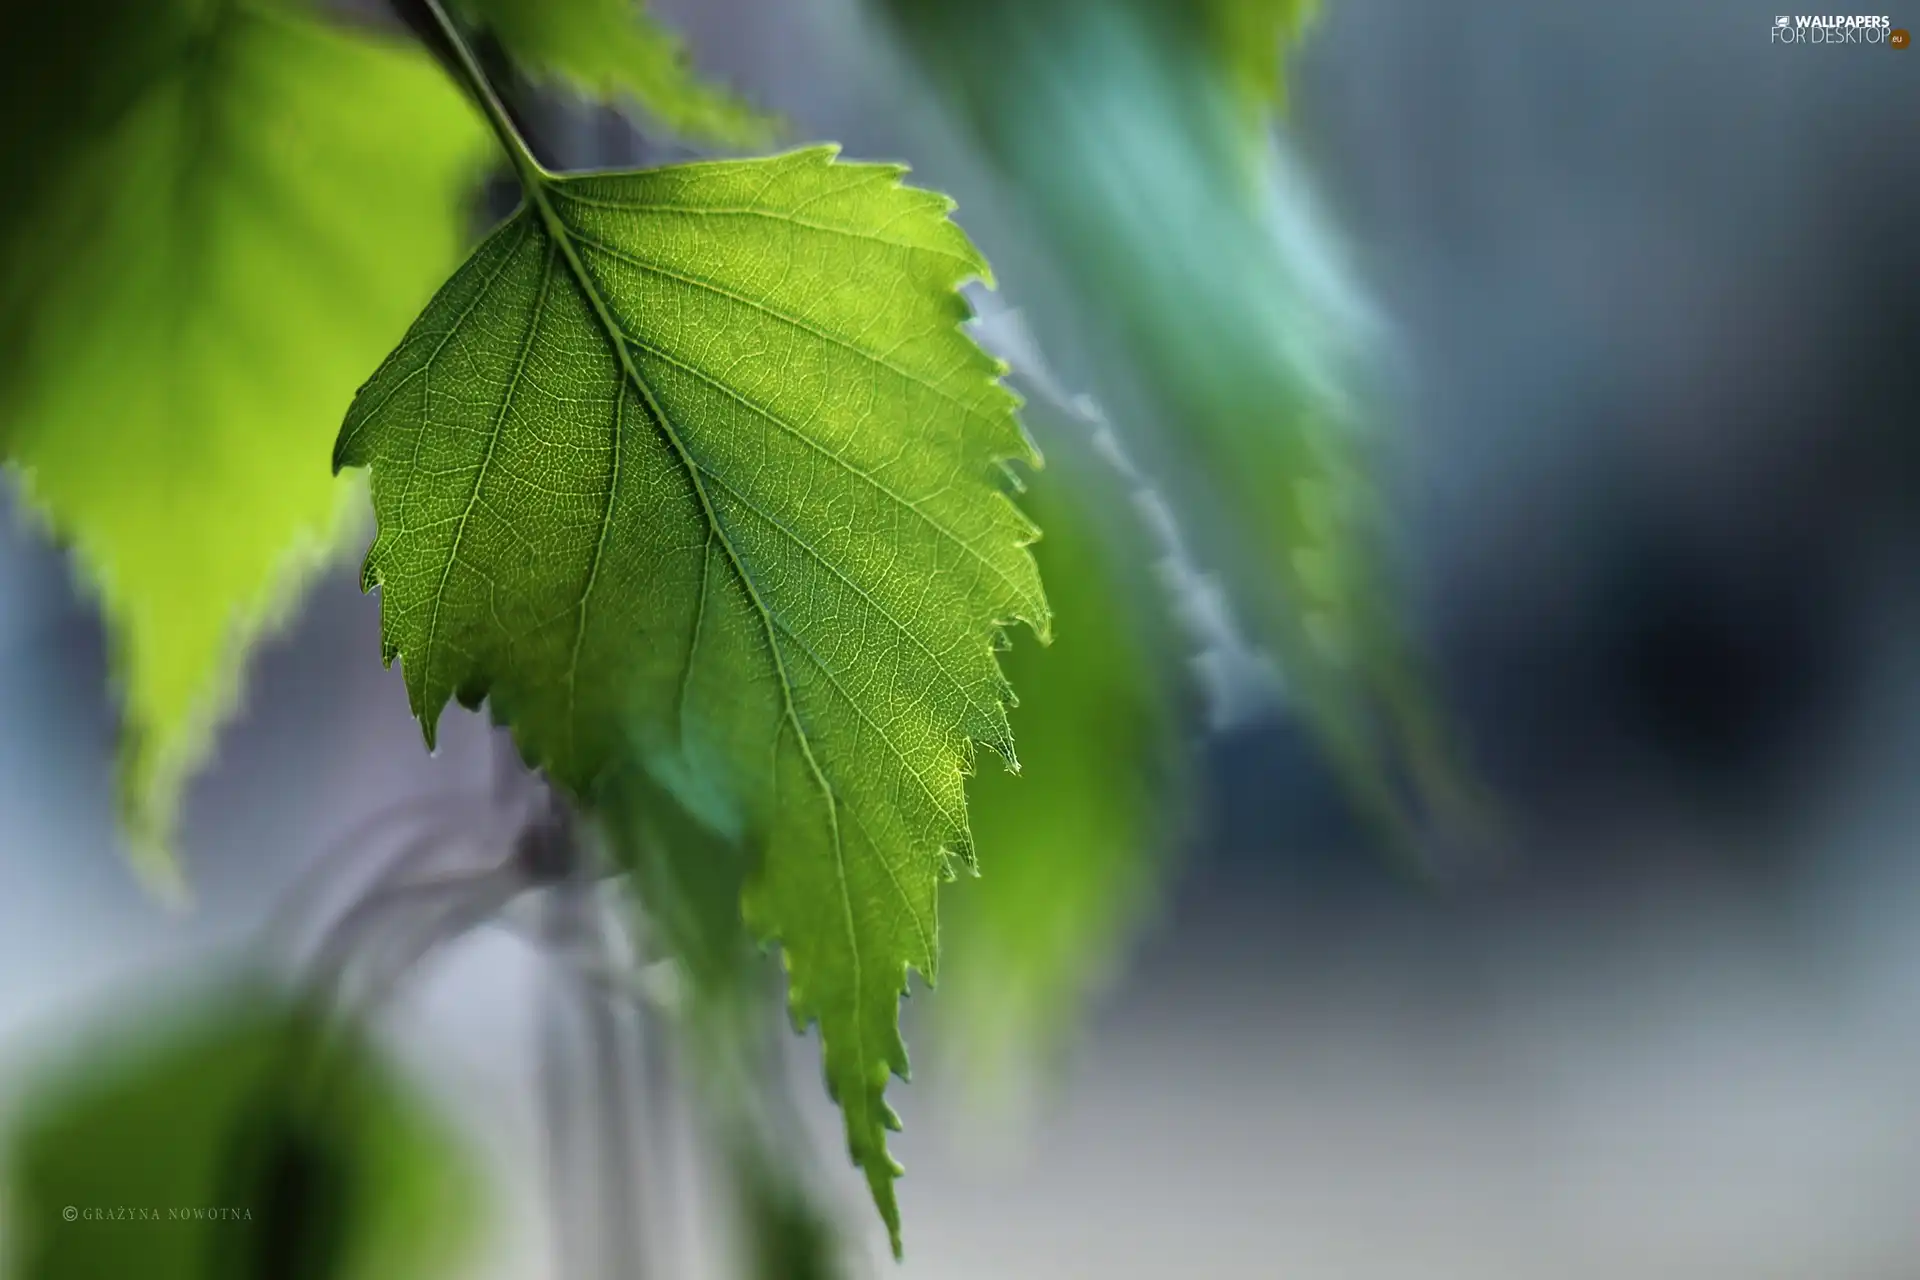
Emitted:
<point x="1234" y="679"/>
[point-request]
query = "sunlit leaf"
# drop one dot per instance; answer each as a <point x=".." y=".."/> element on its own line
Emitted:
<point x="215" y="228"/>
<point x="696" y="465"/>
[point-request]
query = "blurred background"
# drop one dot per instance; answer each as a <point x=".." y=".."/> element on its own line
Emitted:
<point x="1652" y="293"/>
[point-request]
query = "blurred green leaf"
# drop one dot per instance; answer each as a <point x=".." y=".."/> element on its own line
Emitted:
<point x="231" y="1138"/>
<point x="1228" y="319"/>
<point x="714" y="479"/>
<point x="690" y="883"/>
<point x="614" y="49"/>
<point x="785" y="1234"/>
<point x="215" y="229"/>
<point x="1073" y="849"/>
<point x="1246" y="38"/>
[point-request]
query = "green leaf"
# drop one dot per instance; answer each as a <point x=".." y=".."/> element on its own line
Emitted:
<point x="217" y="228"/>
<point x="615" y="49"/>
<point x="1074" y="848"/>
<point x="696" y="466"/>
<point x="320" y="1164"/>
<point x="1237" y="346"/>
<point x="1245" y="38"/>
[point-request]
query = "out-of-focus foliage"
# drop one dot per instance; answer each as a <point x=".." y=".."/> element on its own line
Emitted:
<point x="214" y="228"/>
<point x="615" y="49"/>
<point x="236" y="1137"/>
<point x="783" y="1231"/>
<point x="697" y="466"/>
<point x="1245" y="39"/>
<point x="1073" y="848"/>
<point x="1127" y="134"/>
<point x="691" y="882"/>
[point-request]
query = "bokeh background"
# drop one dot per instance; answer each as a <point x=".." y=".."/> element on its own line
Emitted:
<point x="1652" y="287"/>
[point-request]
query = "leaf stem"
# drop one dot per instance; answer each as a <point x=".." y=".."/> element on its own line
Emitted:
<point x="531" y="172"/>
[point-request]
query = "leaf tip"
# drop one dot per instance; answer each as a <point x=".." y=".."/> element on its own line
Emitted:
<point x="158" y="870"/>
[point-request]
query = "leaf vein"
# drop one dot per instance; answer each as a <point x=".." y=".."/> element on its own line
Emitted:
<point x="486" y="461"/>
<point x="774" y="419"/>
<point x="878" y="359"/>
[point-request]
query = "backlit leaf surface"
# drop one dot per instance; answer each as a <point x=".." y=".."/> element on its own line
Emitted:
<point x="695" y="466"/>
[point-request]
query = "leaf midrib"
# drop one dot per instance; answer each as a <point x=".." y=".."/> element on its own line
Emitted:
<point x="870" y="479"/>
<point x="808" y="327"/>
<point x="538" y="194"/>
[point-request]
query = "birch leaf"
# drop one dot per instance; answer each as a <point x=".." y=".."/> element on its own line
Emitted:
<point x="695" y="466"/>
